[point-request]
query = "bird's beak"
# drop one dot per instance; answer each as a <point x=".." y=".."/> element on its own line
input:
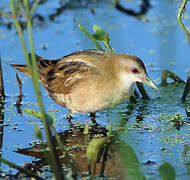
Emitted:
<point x="149" y="82"/>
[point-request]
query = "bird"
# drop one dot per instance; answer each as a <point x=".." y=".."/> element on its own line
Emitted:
<point x="89" y="81"/>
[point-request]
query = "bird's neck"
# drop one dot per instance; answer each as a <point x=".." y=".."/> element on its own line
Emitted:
<point x="128" y="89"/>
<point x="124" y="90"/>
<point x="127" y="83"/>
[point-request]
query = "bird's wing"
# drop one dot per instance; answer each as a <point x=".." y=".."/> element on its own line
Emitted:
<point x="61" y="75"/>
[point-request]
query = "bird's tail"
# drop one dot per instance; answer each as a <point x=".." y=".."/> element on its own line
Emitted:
<point x="22" y="68"/>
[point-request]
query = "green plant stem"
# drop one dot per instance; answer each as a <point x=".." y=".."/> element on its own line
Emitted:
<point x="110" y="130"/>
<point x="85" y="132"/>
<point x="55" y="163"/>
<point x="21" y="169"/>
<point x="32" y="65"/>
<point x="105" y="155"/>
<point x="34" y="7"/>
<point x="2" y="93"/>
<point x="108" y="47"/>
<point x="90" y="36"/>
<point x="19" y="30"/>
<point x="180" y="11"/>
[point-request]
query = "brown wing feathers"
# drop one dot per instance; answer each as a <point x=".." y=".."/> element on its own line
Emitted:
<point x="60" y="75"/>
<point x="64" y="76"/>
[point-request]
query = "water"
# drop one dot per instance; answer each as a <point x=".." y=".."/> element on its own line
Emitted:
<point x="159" y="41"/>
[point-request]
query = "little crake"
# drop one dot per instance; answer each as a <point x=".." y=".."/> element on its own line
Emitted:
<point x="90" y="80"/>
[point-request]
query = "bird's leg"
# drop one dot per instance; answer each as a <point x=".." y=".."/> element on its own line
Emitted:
<point x="69" y="117"/>
<point x="93" y="116"/>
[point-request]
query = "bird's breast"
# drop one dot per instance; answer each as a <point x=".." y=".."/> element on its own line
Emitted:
<point x="123" y="93"/>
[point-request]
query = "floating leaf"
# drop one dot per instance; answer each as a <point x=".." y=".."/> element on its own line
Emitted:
<point x="129" y="161"/>
<point x="95" y="147"/>
<point x="50" y="115"/>
<point x="167" y="171"/>
<point x="33" y="113"/>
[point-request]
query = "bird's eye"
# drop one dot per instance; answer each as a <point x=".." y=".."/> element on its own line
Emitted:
<point x="135" y="70"/>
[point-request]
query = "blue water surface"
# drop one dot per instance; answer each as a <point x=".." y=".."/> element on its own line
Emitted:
<point x="158" y="40"/>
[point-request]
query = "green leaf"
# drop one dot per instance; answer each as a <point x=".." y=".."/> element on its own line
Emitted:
<point x="129" y="161"/>
<point x="86" y="128"/>
<point x="110" y="130"/>
<point x="98" y="30"/>
<point x="50" y="115"/>
<point x="33" y="113"/>
<point x="90" y="37"/>
<point x="35" y="5"/>
<point x="100" y="34"/>
<point x="99" y="37"/>
<point x="95" y="147"/>
<point x="167" y="171"/>
<point x="38" y="132"/>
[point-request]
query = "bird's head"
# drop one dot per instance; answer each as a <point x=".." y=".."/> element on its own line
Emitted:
<point x="133" y="70"/>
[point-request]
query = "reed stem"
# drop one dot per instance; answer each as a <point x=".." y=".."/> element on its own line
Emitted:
<point x="32" y="66"/>
<point x="21" y="169"/>
<point x="180" y="11"/>
<point x="2" y="93"/>
<point x="90" y="37"/>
